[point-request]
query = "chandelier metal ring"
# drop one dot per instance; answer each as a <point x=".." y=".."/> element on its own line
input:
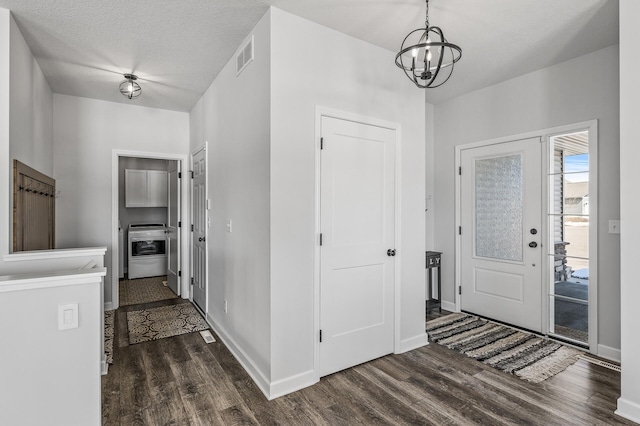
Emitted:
<point x="427" y="56"/>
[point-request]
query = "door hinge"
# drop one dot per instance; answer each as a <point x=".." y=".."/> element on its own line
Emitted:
<point x="320" y="336"/>
<point x="320" y="239"/>
<point x="459" y="230"/>
<point x="191" y="174"/>
<point x="460" y="170"/>
<point x="179" y="175"/>
<point x="179" y="224"/>
<point x="459" y="289"/>
<point x="191" y="227"/>
<point x="321" y="143"/>
<point x="179" y="273"/>
<point x="192" y="281"/>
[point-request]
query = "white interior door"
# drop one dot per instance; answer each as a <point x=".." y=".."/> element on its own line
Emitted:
<point x="199" y="228"/>
<point x="173" y="225"/>
<point x="358" y="229"/>
<point x="501" y="243"/>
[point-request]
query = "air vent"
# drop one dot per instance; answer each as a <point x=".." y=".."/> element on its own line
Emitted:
<point x="207" y="336"/>
<point x="245" y="56"/>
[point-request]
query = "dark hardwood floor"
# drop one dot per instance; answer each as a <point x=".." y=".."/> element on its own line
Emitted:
<point x="184" y="381"/>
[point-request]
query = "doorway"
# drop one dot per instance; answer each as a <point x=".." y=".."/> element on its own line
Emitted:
<point x="556" y="235"/>
<point x="152" y="199"/>
<point x="356" y="242"/>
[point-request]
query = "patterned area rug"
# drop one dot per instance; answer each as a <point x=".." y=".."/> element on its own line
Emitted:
<point x="144" y="290"/>
<point x="109" y="318"/>
<point x="166" y="321"/>
<point x="528" y="356"/>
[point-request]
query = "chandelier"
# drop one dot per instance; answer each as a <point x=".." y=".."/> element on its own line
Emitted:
<point x="129" y="87"/>
<point x="426" y="57"/>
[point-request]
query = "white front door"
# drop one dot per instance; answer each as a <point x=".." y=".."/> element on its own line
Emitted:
<point x="173" y="225"/>
<point x="199" y="227"/>
<point x="358" y="229"/>
<point x="501" y="236"/>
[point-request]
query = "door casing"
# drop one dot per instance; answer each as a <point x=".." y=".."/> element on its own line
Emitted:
<point x="342" y="115"/>
<point x="592" y="127"/>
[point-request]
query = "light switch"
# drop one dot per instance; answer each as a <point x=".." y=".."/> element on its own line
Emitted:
<point x="229" y="226"/>
<point x="614" y="226"/>
<point x="67" y="316"/>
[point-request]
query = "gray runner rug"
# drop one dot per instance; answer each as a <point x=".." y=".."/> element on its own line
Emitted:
<point x="526" y="355"/>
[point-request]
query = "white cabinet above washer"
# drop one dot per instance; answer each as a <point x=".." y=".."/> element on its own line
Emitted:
<point x="145" y="188"/>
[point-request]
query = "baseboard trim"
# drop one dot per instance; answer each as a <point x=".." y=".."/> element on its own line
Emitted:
<point x="291" y="384"/>
<point x="448" y="306"/>
<point x="108" y="306"/>
<point x="245" y="361"/>
<point x="609" y="353"/>
<point x="412" y="343"/>
<point x="629" y="410"/>
<point x="104" y="365"/>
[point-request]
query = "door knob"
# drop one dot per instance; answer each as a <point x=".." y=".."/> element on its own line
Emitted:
<point x="201" y="239"/>
<point x="391" y="252"/>
<point x="533" y="244"/>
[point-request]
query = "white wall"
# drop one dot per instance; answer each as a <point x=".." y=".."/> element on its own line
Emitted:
<point x="85" y="132"/>
<point x="430" y="176"/>
<point x="233" y="116"/>
<point x="25" y="121"/>
<point x="629" y="402"/>
<point x="316" y="66"/>
<point x="31" y="100"/>
<point x="50" y="376"/>
<point x="5" y="158"/>
<point x="562" y="94"/>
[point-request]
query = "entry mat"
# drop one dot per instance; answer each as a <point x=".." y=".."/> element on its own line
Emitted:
<point x="526" y="355"/>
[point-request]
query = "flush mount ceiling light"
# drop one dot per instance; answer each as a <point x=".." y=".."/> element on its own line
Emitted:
<point x="129" y="88"/>
<point x="426" y="57"/>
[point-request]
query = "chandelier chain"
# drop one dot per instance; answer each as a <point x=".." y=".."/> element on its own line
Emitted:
<point x="426" y="21"/>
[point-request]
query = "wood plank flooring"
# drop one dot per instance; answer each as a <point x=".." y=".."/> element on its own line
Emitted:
<point x="184" y="381"/>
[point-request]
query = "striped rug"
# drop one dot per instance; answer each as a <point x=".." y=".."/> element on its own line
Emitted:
<point x="528" y="356"/>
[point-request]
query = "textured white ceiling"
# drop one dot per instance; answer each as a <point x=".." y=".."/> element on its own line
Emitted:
<point x="178" y="47"/>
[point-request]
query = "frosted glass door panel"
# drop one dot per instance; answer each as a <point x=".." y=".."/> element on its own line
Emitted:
<point x="499" y="207"/>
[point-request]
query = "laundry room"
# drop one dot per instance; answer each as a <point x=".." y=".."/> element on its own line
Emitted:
<point x="143" y="210"/>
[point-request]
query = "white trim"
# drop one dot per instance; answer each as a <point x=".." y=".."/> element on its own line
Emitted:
<point x="607" y="352"/>
<point x="449" y="306"/>
<point x="396" y="127"/>
<point x="628" y="409"/>
<point x="592" y="127"/>
<point x="412" y="343"/>
<point x="184" y="263"/>
<point x="54" y="254"/>
<point x="108" y="306"/>
<point x="104" y="365"/>
<point x="10" y="283"/>
<point x="245" y="361"/>
<point x="204" y="147"/>
<point x="291" y="384"/>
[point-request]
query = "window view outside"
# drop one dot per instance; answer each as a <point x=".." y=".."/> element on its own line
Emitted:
<point x="569" y="214"/>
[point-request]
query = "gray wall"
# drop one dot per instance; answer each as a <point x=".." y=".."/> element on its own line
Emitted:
<point x="563" y="94"/>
